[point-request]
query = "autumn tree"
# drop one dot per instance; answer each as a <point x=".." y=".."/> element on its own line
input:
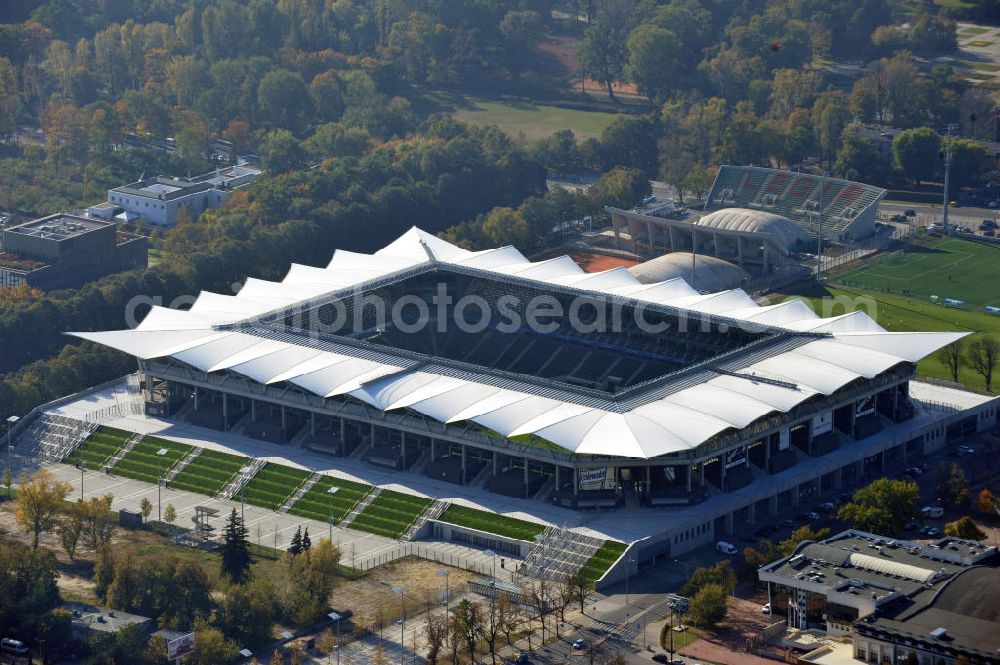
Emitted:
<point x="169" y="514"/>
<point x="39" y="498"/>
<point x="708" y="606"/>
<point x="145" y="508"/>
<point x="986" y="502"/>
<point x="884" y="506"/>
<point x="71" y="528"/>
<point x="803" y="533"/>
<point x="953" y="486"/>
<point x="964" y="527"/>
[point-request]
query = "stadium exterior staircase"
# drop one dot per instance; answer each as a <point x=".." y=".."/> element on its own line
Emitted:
<point x="479" y="480"/>
<point x="51" y="437"/>
<point x="300" y="492"/>
<point x="184" y="461"/>
<point x="359" y="507"/>
<point x="559" y="554"/>
<point x="241" y="478"/>
<point x="125" y="449"/>
<point x="545" y="490"/>
<point x="432" y="513"/>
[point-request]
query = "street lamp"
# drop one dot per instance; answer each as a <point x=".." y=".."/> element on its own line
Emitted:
<point x="402" y="621"/>
<point x="443" y="572"/>
<point x="329" y="516"/>
<point x="11" y="421"/>
<point x="159" y="498"/>
<point x="336" y="617"/>
<point x="628" y="570"/>
<point x="493" y="556"/>
<point x="79" y="465"/>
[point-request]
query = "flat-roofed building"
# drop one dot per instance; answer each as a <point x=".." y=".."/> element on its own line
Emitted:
<point x="160" y="199"/>
<point x="63" y="251"/>
<point x="831" y="584"/>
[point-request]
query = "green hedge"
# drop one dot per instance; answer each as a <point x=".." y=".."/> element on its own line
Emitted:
<point x="483" y="520"/>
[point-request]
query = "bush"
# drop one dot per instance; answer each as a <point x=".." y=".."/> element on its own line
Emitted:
<point x="708" y="606"/>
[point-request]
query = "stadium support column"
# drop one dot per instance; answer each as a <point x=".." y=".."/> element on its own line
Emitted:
<point x="670" y="236"/>
<point x="496" y="460"/>
<point x="196" y="398"/>
<point x="576" y="481"/>
<point x="343" y="436"/>
<point x="432" y="449"/>
<point x="312" y="423"/>
<point x="739" y="251"/>
<point x="253" y="410"/>
<point x="284" y="420"/>
<point x="772" y="504"/>
<point x="463" y="463"/>
<point x="526" y="472"/>
<point x="225" y="411"/>
<point x="648" y="480"/>
<point x="690" y="470"/>
<point x="715" y="241"/>
<point x="557" y="477"/>
<point x="402" y="450"/>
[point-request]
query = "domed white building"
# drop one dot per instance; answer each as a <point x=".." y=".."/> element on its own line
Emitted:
<point x="783" y="233"/>
<point x="707" y="272"/>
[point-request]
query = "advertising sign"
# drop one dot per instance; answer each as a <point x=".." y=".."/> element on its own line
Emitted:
<point x="865" y="406"/>
<point x="593" y="479"/>
<point x="822" y="423"/>
<point x="736" y="457"/>
<point x="180" y="646"/>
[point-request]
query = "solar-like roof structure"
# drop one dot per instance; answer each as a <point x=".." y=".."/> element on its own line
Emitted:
<point x="754" y="361"/>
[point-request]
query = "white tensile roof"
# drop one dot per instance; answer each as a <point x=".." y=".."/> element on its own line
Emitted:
<point x="854" y="346"/>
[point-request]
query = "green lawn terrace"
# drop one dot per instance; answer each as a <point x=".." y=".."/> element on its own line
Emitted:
<point x="482" y="520"/>
<point x="209" y="472"/>
<point x="95" y="451"/>
<point x="603" y="559"/>
<point x="145" y="462"/>
<point x="273" y="484"/>
<point x="390" y="514"/>
<point x="318" y="504"/>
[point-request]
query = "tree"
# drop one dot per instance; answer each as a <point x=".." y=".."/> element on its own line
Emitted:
<point x="969" y="161"/>
<point x="952" y="357"/>
<point x="436" y="631"/>
<point x="99" y="523"/>
<point x="858" y="159"/>
<point x="211" y="646"/>
<point x="283" y="100"/>
<point x="235" y="549"/>
<point x="721" y="574"/>
<point x="653" y="60"/>
<point x="468" y="624"/>
<point x="708" y="606"/>
<point x="327" y="641"/>
<point x="306" y="541"/>
<point x="71" y="527"/>
<point x="146" y="508"/>
<point x="752" y="560"/>
<point x="327" y="95"/>
<point x="281" y="152"/>
<point x="883" y="507"/>
<point x="953" y="487"/>
<point x="582" y="586"/>
<point x="620" y="188"/>
<point x="786" y="547"/>
<point x="983" y="355"/>
<point x="169" y="513"/>
<point x="296" y="545"/>
<point x="247" y="612"/>
<point x="917" y="153"/>
<point x="603" y="54"/>
<point x="986" y="502"/>
<point x="964" y="527"/>
<point x="39" y="498"/>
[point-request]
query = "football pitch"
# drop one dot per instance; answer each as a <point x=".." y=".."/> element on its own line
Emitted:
<point x="949" y="268"/>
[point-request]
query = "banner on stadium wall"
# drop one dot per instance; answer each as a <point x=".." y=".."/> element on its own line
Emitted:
<point x="822" y="423"/>
<point x="594" y="479"/>
<point x="736" y="457"/>
<point x="783" y="439"/>
<point x="865" y="406"/>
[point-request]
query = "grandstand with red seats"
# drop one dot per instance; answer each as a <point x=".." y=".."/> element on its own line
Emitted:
<point x="847" y="209"/>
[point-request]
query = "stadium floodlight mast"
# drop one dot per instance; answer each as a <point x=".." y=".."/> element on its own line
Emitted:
<point x="11" y="421"/>
<point x="336" y="617"/>
<point x="947" y="177"/>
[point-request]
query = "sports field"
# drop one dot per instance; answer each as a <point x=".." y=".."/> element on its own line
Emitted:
<point x="947" y="268"/>
<point x="531" y="120"/>
<point x="905" y="314"/>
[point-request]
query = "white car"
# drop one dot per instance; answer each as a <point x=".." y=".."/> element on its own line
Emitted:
<point x="722" y="547"/>
<point x="766" y="609"/>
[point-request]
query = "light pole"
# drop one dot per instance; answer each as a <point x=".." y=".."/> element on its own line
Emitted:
<point x="11" y="421"/>
<point x="336" y="617"/>
<point x="493" y="557"/>
<point x="402" y="621"/>
<point x="79" y="465"/>
<point x="159" y="498"/>
<point x="443" y="572"/>
<point x="628" y="571"/>
<point x="243" y="495"/>
<point x="329" y="517"/>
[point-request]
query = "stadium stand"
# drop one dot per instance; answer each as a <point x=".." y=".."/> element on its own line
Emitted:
<point x="848" y="207"/>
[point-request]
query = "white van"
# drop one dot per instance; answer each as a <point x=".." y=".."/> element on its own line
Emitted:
<point x="932" y="511"/>
<point x="722" y="547"/>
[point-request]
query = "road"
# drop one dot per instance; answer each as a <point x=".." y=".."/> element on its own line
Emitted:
<point x="928" y="213"/>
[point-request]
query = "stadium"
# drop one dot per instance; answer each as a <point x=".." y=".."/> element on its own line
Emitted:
<point x="505" y="400"/>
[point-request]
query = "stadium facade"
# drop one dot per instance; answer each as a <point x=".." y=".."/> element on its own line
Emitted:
<point x="690" y="413"/>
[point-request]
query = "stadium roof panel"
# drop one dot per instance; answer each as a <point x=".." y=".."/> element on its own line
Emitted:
<point x="769" y="359"/>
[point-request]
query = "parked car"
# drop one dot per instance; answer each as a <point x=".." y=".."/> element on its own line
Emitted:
<point x="766" y="608"/>
<point x="989" y="233"/>
<point x="827" y="507"/>
<point x="910" y="212"/>
<point x="661" y="658"/>
<point x="12" y="646"/>
<point x="915" y="471"/>
<point x="722" y="547"/>
<point x="968" y="450"/>
<point x="932" y="511"/>
<point x="932" y="532"/>
<point x="522" y="659"/>
<point x="990" y="223"/>
<point x="813" y="516"/>
<point x="580" y="644"/>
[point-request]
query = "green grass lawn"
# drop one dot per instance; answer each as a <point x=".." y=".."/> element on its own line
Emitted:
<point x="273" y="484"/>
<point x="532" y="120"/>
<point x="144" y="463"/>
<point x="209" y="472"/>
<point x="981" y="66"/>
<point x="603" y="559"/>
<point x="949" y="267"/>
<point x="319" y="504"/>
<point x="390" y="513"/>
<point x="972" y="31"/>
<point x="97" y="448"/>
<point x="483" y="520"/>
<point x="901" y="314"/>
